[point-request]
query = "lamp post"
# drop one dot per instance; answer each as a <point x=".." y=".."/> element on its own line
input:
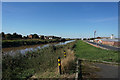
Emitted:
<point x="94" y="33"/>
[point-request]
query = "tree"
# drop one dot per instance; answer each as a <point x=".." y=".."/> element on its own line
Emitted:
<point x="14" y="35"/>
<point x="3" y="35"/>
<point x="8" y="36"/>
<point x="24" y="37"/>
<point x="84" y="39"/>
<point x="20" y="36"/>
<point x="42" y="37"/>
<point x="35" y="36"/>
<point x="63" y="39"/>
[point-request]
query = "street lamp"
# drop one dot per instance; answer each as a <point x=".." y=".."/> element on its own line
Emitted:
<point x="94" y="34"/>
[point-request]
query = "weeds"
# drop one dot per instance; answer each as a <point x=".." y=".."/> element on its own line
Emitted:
<point x="35" y="62"/>
<point x="68" y="62"/>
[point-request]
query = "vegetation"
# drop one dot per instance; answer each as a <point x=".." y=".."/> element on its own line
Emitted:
<point x="35" y="62"/>
<point x="43" y="62"/>
<point x="16" y="43"/>
<point x="11" y="36"/>
<point x="86" y="51"/>
<point x="16" y="36"/>
<point x="15" y="40"/>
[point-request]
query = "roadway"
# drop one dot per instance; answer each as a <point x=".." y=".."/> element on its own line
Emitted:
<point x="105" y="46"/>
<point x="107" y="71"/>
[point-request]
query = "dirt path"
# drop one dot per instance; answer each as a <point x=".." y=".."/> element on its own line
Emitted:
<point x="107" y="70"/>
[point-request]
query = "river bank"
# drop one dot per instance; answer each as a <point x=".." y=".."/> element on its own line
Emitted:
<point x="26" y="48"/>
<point x="33" y="62"/>
<point x="22" y="42"/>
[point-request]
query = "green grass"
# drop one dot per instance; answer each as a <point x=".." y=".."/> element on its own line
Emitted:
<point x="86" y="51"/>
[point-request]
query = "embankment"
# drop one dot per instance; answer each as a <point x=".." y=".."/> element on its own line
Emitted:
<point x="16" y="43"/>
<point x="33" y="63"/>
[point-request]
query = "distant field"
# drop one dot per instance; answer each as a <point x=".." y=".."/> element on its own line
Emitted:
<point x="86" y="51"/>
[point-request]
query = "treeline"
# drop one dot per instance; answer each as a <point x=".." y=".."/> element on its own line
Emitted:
<point x="15" y="40"/>
<point x="11" y="36"/>
<point x="17" y="36"/>
<point x="14" y="36"/>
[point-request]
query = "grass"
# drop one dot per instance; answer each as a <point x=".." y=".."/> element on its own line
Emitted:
<point x="86" y="51"/>
<point x="68" y="63"/>
<point x="35" y="62"/>
<point x="90" y="55"/>
<point x="68" y="67"/>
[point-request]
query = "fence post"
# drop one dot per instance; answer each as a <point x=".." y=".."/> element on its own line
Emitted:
<point x="59" y="65"/>
<point x="64" y="54"/>
<point x="80" y="69"/>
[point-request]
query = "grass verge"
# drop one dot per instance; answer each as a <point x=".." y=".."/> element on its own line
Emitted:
<point x="39" y="63"/>
<point x="86" y="51"/>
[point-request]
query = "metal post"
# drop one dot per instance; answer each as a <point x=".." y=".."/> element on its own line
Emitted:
<point x="59" y="65"/>
<point x="64" y="54"/>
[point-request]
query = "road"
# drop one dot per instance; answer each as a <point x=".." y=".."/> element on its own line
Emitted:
<point x="107" y="70"/>
<point x="105" y="46"/>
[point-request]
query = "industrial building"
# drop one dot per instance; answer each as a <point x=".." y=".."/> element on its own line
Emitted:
<point x="108" y="41"/>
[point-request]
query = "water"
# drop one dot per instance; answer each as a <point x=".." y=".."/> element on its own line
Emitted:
<point x="24" y="49"/>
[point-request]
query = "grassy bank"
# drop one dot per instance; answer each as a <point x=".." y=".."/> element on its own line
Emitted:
<point x="16" y="43"/>
<point x="36" y="62"/>
<point x="68" y="67"/>
<point x="86" y="51"/>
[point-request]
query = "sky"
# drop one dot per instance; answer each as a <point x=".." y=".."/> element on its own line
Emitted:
<point x="64" y="19"/>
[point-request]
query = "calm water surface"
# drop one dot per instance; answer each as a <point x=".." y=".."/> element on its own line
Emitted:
<point x="24" y="49"/>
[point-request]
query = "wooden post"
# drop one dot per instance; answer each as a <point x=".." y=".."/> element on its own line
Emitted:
<point x="64" y="54"/>
<point x="80" y="69"/>
<point x="59" y="65"/>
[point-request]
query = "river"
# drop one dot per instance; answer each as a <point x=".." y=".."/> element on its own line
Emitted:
<point x="24" y="49"/>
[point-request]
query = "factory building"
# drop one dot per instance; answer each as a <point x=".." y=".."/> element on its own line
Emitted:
<point x="108" y="41"/>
